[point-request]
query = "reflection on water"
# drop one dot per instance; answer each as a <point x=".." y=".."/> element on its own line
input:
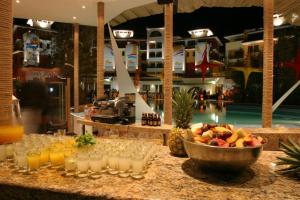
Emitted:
<point x="210" y="111"/>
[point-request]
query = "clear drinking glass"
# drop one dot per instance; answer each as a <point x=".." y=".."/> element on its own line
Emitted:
<point x="70" y="165"/>
<point x="2" y="153"/>
<point x="9" y="151"/>
<point x="95" y="165"/>
<point x="68" y="151"/>
<point x="113" y="163"/>
<point x="124" y="164"/>
<point x="104" y="161"/>
<point x="21" y="160"/>
<point x="82" y="165"/>
<point x="137" y="164"/>
<point x="61" y="132"/>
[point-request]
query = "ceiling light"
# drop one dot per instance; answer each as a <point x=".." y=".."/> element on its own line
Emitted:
<point x="278" y="20"/>
<point x="40" y="23"/>
<point x="74" y="18"/>
<point x="294" y="17"/>
<point x="123" y="33"/>
<point x="205" y="32"/>
<point x="44" y="23"/>
<point x="30" y="22"/>
<point x="17" y="1"/>
<point x="83" y="7"/>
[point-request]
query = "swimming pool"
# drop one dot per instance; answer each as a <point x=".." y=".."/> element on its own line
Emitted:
<point x="240" y="114"/>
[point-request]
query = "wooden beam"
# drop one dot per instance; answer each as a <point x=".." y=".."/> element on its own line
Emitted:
<point x="6" y="87"/>
<point x="76" y="67"/>
<point x="100" y="50"/>
<point x="68" y="103"/>
<point x="267" y="100"/>
<point x="168" y="57"/>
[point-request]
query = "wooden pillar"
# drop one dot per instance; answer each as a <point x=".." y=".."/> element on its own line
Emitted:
<point x="168" y="57"/>
<point x="100" y="50"/>
<point x="267" y="100"/>
<point x="76" y="67"/>
<point x="68" y="103"/>
<point x="6" y="88"/>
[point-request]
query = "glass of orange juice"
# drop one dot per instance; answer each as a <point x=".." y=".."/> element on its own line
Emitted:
<point x="44" y="157"/>
<point x="56" y="156"/>
<point x="33" y="160"/>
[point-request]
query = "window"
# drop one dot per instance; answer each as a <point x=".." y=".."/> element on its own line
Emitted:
<point x="158" y="45"/>
<point x="152" y="65"/>
<point x="152" y="54"/>
<point x="146" y="88"/>
<point x="159" y="65"/>
<point x="151" y="45"/>
<point x="143" y="46"/>
<point x="155" y="34"/>
<point x="143" y="56"/>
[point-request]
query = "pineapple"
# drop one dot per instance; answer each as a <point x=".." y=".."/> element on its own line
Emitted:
<point x="183" y="103"/>
<point x="292" y="150"/>
<point x="183" y="106"/>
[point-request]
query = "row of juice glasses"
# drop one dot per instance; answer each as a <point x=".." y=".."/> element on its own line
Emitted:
<point x="117" y="157"/>
<point x="37" y="151"/>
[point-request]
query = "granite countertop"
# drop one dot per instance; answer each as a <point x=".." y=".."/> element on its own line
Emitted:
<point x="168" y="178"/>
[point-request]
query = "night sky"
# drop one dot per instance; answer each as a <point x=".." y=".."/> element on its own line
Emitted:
<point x="222" y="21"/>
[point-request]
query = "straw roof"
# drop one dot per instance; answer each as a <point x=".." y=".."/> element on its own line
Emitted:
<point x="287" y="8"/>
<point x="119" y="11"/>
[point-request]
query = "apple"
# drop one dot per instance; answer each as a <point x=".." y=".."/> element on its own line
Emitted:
<point x="255" y="142"/>
<point x="248" y="139"/>
<point x="221" y="142"/>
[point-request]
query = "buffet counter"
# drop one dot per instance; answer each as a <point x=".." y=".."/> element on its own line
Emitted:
<point x="168" y="178"/>
<point x="273" y="135"/>
<point x="132" y="131"/>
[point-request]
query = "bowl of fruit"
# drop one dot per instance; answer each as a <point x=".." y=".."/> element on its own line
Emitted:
<point x="222" y="147"/>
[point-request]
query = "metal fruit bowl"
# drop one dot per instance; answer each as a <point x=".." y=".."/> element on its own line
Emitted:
<point x="222" y="159"/>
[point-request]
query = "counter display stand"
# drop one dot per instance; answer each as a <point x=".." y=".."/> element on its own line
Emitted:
<point x="168" y="177"/>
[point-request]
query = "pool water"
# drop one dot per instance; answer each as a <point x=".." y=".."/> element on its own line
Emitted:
<point x="240" y="114"/>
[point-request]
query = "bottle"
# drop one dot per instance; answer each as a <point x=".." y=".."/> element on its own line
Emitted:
<point x="159" y="121"/>
<point x="143" y="119"/>
<point x="150" y="121"/>
<point x="146" y="119"/>
<point x="155" y="120"/>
